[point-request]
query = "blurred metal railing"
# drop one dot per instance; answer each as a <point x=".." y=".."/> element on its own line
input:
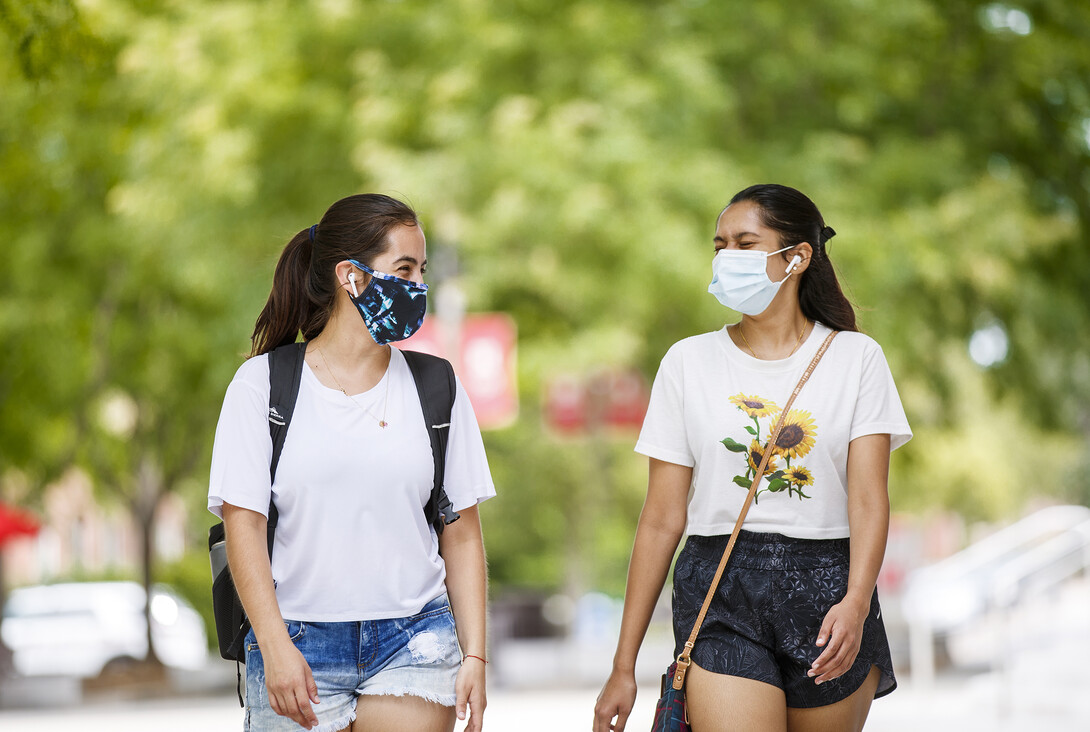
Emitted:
<point x="995" y="573"/>
<point x="1044" y="566"/>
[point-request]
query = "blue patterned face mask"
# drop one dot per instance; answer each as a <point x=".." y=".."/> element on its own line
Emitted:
<point x="392" y="308"/>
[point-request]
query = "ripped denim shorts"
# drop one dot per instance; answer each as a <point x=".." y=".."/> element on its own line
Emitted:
<point x="417" y="655"/>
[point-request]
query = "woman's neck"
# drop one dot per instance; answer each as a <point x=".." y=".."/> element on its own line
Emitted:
<point x="772" y="335"/>
<point x="346" y="348"/>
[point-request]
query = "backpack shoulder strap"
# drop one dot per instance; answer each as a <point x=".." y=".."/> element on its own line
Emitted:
<point x="435" y="384"/>
<point x="285" y="373"/>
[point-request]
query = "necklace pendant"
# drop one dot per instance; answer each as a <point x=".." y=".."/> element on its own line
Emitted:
<point x="382" y="423"/>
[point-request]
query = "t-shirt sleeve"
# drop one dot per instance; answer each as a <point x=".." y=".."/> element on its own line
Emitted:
<point x="663" y="435"/>
<point x="878" y="410"/>
<point x="243" y="448"/>
<point x="467" y="478"/>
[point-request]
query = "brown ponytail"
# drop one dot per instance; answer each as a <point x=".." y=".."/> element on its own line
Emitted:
<point x="304" y="286"/>
<point x="288" y="305"/>
<point x="795" y="217"/>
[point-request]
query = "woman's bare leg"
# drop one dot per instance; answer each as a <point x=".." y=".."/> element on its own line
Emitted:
<point x="386" y="713"/>
<point x="722" y="703"/>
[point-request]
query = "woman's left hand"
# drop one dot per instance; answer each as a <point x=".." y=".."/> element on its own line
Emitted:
<point x="470" y="689"/>
<point x="840" y="634"/>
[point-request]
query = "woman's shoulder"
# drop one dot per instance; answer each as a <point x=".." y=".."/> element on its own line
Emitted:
<point x="253" y="373"/>
<point x="402" y="356"/>
<point x="855" y="344"/>
<point x="695" y="344"/>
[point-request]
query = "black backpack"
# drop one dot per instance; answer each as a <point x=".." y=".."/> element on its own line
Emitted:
<point x="435" y="385"/>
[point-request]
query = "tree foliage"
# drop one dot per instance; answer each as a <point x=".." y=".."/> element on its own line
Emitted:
<point x="572" y="156"/>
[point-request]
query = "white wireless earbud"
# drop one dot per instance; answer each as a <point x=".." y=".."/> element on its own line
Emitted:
<point x="352" y="281"/>
<point x="793" y="263"/>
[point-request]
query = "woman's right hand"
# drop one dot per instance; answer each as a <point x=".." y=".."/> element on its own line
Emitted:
<point x="616" y="701"/>
<point x="290" y="683"/>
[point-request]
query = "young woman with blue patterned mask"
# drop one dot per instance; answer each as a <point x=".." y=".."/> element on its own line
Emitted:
<point x="354" y="619"/>
<point x="793" y="639"/>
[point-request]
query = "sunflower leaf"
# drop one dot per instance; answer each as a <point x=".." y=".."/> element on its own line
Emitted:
<point x="776" y="476"/>
<point x="751" y="431"/>
<point x="733" y="446"/>
<point x="744" y="482"/>
<point x="777" y="485"/>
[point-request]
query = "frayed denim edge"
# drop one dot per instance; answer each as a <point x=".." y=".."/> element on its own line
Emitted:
<point x="336" y="726"/>
<point x="446" y="701"/>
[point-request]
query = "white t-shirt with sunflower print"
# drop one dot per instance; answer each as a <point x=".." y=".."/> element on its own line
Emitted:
<point x="713" y="406"/>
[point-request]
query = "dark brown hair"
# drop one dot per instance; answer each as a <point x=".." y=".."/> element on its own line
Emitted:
<point x="796" y="219"/>
<point x="304" y="285"/>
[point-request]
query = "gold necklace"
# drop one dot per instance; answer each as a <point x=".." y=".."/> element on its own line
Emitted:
<point x="742" y="333"/>
<point x="385" y="400"/>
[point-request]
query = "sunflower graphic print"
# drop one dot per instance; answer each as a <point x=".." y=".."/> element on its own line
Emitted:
<point x="784" y="473"/>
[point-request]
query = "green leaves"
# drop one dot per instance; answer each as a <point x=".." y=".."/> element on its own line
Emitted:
<point x="733" y="446"/>
<point x="777" y="484"/>
<point x="571" y="158"/>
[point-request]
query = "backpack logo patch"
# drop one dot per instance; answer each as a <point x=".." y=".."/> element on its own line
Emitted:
<point x="275" y="417"/>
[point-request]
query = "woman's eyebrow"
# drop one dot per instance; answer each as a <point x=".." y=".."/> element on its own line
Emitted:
<point x="739" y="235"/>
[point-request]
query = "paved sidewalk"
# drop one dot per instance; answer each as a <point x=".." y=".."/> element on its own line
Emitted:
<point x="971" y="705"/>
<point x="1041" y="685"/>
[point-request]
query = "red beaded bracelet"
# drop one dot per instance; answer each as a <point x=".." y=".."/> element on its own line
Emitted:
<point x="470" y="655"/>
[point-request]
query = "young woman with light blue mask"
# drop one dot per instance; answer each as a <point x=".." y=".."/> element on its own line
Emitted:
<point x="367" y="617"/>
<point x="793" y="639"/>
<point x="740" y="279"/>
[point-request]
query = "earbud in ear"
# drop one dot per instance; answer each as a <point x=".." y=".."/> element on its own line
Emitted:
<point x="793" y="263"/>
<point x="352" y="281"/>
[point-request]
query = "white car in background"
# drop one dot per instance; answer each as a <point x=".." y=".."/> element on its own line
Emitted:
<point x="83" y="629"/>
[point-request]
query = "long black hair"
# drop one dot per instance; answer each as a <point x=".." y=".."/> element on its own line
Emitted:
<point x="796" y="219"/>
<point x="304" y="284"/>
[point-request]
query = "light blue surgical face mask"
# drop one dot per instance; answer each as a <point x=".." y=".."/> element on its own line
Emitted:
<point x="740" y="280"/>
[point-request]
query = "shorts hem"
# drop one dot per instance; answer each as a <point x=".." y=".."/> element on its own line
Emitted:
<point x="446" y="700"/>
<point x="735" y="673"/>
<point x="887" y="682"/>
<point x="884" y="678"/>
<point x="337" y="725"/>
<point x="343" y="722"/>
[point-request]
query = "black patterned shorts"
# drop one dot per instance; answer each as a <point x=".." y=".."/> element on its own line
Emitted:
<point x="764" y="619"/>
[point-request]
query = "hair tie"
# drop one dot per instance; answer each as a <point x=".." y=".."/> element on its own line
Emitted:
<point x="312" y="228"/>
<point x="827" y="233"/>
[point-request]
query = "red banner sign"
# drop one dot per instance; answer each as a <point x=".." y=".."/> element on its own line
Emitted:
<point x="483" y="350"/>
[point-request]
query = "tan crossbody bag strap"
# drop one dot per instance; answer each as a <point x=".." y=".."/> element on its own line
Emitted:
<point x="683" y="659"/>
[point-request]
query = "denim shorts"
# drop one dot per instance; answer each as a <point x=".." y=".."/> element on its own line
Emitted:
<point x="417" y="655"/>
<point x="764" y="619"/>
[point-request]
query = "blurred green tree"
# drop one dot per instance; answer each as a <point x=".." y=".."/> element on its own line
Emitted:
<point x="572" y="155"/>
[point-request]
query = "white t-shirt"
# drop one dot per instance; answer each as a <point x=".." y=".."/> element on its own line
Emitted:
<point x="352" y="542"/>
<point x="709" y="396"/>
